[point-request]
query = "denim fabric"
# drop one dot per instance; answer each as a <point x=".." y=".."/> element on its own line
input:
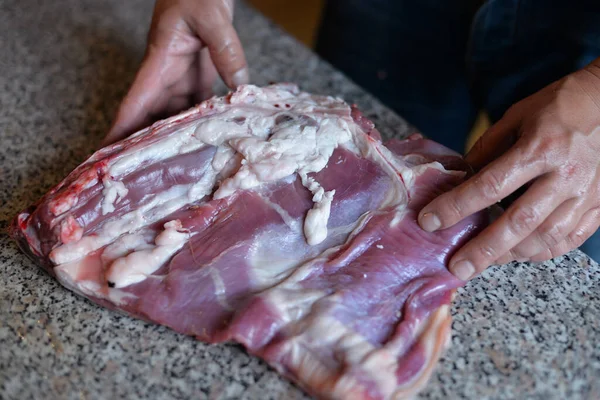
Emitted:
<point x="517" y="47"/>
<point x="410" y="54"/>
<point x="438" y="62"/>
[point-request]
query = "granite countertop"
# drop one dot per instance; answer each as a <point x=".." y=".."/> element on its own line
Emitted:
<point x="520" y="331"/>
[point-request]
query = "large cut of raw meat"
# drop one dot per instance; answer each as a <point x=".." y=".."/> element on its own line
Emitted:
<point x="273" y="218"/>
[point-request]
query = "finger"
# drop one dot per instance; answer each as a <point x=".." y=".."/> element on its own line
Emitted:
<point x="213" y="25"/>
<point x="586" y="227"/>
<point x="505" y="259"/>
<point x="415" y="136"/>
<point x="543" y="256"/>
<point x="496" y="181"/>
<point x="207" y="76"/>
<point x="495" y="141"/>
<point x="509" y="257"/>
<point x="552" y="231"/>
<point x="522" y="218"/>
<point x="133" y="111"/>
<point x="170" y="53"/>
<point x="198" y="80"/>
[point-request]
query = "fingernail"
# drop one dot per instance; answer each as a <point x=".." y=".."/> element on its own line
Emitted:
<point x="240" y="77"/>
<point x="463" y="270"/>
<point x="430" y="222"/>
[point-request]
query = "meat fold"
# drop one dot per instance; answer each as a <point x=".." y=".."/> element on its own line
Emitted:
<point x="273" y="218"/>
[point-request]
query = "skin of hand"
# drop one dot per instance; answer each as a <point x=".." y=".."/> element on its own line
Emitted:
<point x="189" y="43"/>
<point x="548" y="144"/>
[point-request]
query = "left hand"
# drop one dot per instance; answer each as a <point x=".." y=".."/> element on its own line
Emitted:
<point x="549" y="143"/>
<point x="189" y="42"/>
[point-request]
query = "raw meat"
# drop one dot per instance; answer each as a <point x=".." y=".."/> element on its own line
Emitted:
<point x="273" y="218"/>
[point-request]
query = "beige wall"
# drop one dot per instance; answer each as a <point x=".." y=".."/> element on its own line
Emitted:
<point x="298" y="17"/>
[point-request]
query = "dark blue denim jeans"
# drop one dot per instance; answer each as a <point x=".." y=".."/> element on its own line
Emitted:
<point x="438" y="62"/>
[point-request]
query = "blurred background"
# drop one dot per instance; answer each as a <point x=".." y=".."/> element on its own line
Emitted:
<point x="298" y="17"/>
<point x="301" y="19"/>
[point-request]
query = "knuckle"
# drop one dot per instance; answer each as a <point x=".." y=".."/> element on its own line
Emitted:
<point x="168" y="22"/>
<point x="227" y="48"/>
<point x="556" y="251"/>
<point x="230" y="50"/>
<point x="451" y="209"/>
<point x="578" y="236"/>
<point x="552" y="235"/>
<point x="568" y="169"/>
<point x="486" y="254"/>
<point x="545" y="255"/>
<point x="550" y="151"/>
<point x="522" y="219"/>
<point x="518" y="252"/>
<point x="491" y="185"/>
<point x="211" y="19"/>
<point x="502" y="260"/>
<point x="532" y="148"/>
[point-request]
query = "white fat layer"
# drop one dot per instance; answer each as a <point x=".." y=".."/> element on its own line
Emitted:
<point x="83" y="276"/>
<point x="378" y="364"/>
<point x="329" y="333"/>
<point x="138" y="265"/>
<point x="157" y="207"/>
<point x="181" y="142"/>
<point x="292" y="223"/>
<point x="399" y="214"/>
<point x="220" y="290"/>
<point x="293" y="148"/>
<point x="315" y="223"/>
<point x="276" y="260"/>
<point x="277" y="253"/>
<point x="67" y="276"/>
<point x="113" y="192"/>
<point x="397" y="195"/>
<point x="307" y="327"/>
<point x="124" y="245"/>
<point x="293" y="305"/>
<point x="253" y="148"/>
<point x="433" y="335"/>
<point x="410" y="174"/>
<point x="269" y="153"/>
<point x="222" y="157"/>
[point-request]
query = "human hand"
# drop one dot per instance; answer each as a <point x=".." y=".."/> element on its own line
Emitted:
<point x="188" y="43"/>
<point x="548" y="143"/>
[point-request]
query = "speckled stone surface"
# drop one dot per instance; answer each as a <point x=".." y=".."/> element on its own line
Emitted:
<point x="520" y="331"/>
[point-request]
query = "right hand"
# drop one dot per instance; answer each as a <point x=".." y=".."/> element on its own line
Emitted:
<point x="190" y="41"/>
